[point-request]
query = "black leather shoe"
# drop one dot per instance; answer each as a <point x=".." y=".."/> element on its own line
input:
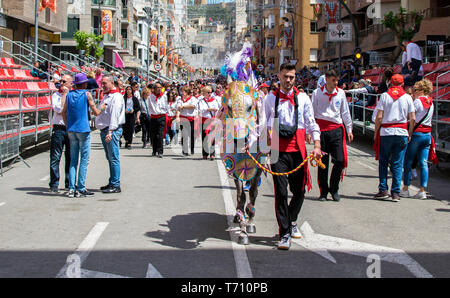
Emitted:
<point x="336" y="197"/>
<point x="104" y="187"/>
<point x="84" y="193"/>
<point x="323" y="197"/>
<point x="54" y="189"/>
<point x="112" y="189"/>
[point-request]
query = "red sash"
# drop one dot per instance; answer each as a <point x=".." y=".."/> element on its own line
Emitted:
<point x="295" y="144"/>
<point x="329" y="126"/>
<point x="188" y="118"/>
<point x="376" y="144"/>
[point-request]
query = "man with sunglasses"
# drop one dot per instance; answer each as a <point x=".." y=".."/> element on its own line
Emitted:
<point x="59" y="138"/>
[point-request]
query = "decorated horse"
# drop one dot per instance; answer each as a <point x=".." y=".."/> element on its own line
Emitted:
<point x="240" y="115"/>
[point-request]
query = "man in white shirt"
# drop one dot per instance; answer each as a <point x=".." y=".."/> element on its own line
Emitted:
<point x="158" y="107"/>
<point x="332" y="113"/>
<point x="60" y="138"/>
<point x="295" y="115"/>
<point x="414" y="60"/>
<point x="392" y="134"/>
<point x="110" y="122"/>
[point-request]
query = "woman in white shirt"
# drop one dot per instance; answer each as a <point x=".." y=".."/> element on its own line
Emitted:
<point x="132" y="106"/>
<point x="187" y="111"/>
<point x="143" y="116"/>
<point x="208" y="106"/>
<point x="171" y="115"/>
<point x="421" y="141"/>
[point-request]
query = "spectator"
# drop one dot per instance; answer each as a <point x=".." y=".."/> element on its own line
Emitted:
<point x="362" y="94"/>
<point x="135" y="89"/>
<point x="158" y="112"/>
<point x="132" y="107"/>
<point x="110" y="122"/>
<point x="187" y="105"/>
<point x="207" y="107"/>
<point x="59" y="138"/>
<point x="92" y="83"/>
<point x="98" y="76"/>
<point x="413" y="60"/>
<point x="171" y="115"/>
<point x="75" y="114"/>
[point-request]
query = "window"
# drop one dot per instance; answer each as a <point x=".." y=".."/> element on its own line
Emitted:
<point x="313" y="25"/>
<point x="271" y="21"/>
<point x="313" y="55"/>
<point x="139" y="29"/>
<point x="73" y="25"/>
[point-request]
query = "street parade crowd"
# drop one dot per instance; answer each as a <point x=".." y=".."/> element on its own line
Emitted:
<point x="167" y="113"/>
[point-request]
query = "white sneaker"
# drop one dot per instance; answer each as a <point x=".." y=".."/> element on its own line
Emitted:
<point x="295" y="233"/>
<point x="285" y="242"/>
<point x="421" y="195"/>
<point x="405" y="193"/>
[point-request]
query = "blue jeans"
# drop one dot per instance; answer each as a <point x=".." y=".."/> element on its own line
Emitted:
<point x="420" y="147"/>
<point x="80" y="148"/>
<point x="392" y="148"/>
<point x="112" y="155"/>
<point x="58" y="141"/>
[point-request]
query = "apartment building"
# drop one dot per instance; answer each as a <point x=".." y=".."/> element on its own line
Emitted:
<point x="376" y="40"/>
<point x="17" y="22"/>
<point x="290" y="34"/>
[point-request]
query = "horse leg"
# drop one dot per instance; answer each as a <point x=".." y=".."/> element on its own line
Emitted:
<point x="240" y="201"/>
<point x="250" y="208"/>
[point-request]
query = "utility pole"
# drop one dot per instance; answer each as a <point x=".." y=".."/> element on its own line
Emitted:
<point x="340" y="42"/>
<point x="36" y="26"/>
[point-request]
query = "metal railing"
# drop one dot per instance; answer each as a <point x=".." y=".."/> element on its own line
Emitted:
<point x="74" y="59"/>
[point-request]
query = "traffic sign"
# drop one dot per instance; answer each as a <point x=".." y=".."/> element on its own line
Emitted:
<point x="158" y="67"/>
<point x="260" y="67"/>
<point x="340" y="32"/>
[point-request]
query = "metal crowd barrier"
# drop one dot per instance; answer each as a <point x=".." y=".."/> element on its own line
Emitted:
<point x="25" y="125"/>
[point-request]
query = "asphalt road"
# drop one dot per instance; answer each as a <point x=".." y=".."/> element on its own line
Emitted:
<point x="173" y="218"/>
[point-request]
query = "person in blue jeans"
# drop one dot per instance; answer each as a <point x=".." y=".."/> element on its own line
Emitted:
<point x="393" y="129"/>
<point x="110" y="122"/>
<point x="75" y="114"/>
<point x="421" y="140"/>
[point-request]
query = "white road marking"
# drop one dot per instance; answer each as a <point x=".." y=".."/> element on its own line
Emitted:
<point x="366" y="166"/>
<point x="86" y="246"/>
<point x="243" y="269"/>
<point x="320" y="244"/>
<point x="95" y="274"/>
<point x="46" y="178"/>
<point x="152" y="272"/>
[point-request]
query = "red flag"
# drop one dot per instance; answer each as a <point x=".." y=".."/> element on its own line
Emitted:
<point x="51" y="4"/>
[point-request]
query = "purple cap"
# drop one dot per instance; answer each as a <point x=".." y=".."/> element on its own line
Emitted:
<point x="80" y="78"/>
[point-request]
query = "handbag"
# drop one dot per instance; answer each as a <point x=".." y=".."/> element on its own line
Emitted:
<point x="287" y="131"/>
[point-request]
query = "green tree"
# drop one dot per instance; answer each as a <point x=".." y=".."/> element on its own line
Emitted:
<point x="405" y="26"/>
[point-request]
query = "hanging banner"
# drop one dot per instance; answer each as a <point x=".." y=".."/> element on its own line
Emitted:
<point x="288" y="37"/>
<point x="162" y="48"/>
<point x="153" y="37"/>
<point x="175" y="59"/>
<point x="331" y="9"/>
<point x="180" y="62"/>
<point x="107" y="22"/>
<point x="50" y="4"/>
<point x="170" y="55"/>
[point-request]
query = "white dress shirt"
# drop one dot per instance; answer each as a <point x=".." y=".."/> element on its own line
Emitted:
<point x="286" y="114"/>
<point x="188" y="112"/>
<point x="336" y="111"/>
<point x="395" y="112"/>
<point x="114" y="114"/>
<point x="413" y="52"/>
<point x="158" y="107"/>
<point x="172" y="109"/>
<point x="203" y="106"/>
<point x="57" y="109"/>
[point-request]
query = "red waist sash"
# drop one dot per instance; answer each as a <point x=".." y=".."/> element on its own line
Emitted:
<point x="432" y="156"/>
<point x="376" y="144"/>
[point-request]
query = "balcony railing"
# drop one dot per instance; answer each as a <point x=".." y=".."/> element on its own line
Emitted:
<point x="436" y="12"/>
<point x="124" y="44"/>
<point x="104" y="2"/>
<point x="378" y="28"/>
<point x="106" y="37"/>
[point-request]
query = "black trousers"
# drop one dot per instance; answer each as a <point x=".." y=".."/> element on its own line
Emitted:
<point x="210" y="149"/>
<point x="331" y="142"/>
<point x="288" y="213"/>
<point x="145" y="123"/>
<point x="59" y="140"/>
<point x="157" y="134"/>
<point x="128" y="128"/>
<point x="187" y="132"/>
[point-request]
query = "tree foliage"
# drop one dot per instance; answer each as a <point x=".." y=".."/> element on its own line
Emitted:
<point x="89" y="43"/>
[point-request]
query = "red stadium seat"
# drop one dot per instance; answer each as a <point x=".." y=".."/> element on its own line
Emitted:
<point x="8" y="62"/>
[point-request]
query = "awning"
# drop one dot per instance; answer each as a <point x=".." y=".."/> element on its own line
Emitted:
<point x="118" y="63"/>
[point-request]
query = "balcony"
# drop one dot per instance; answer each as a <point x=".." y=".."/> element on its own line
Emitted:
<point x="107" y="39"/>
<point x="103" y="3"/>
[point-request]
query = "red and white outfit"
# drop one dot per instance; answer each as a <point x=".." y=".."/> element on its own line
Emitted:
<point x="333" y="117"/>
<point x="157" y="108"/>
<point x="203" y="106"/>
<point x="422" y="105"/>
<point x="288" y="153"/>
<point x="188" y="116"/>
